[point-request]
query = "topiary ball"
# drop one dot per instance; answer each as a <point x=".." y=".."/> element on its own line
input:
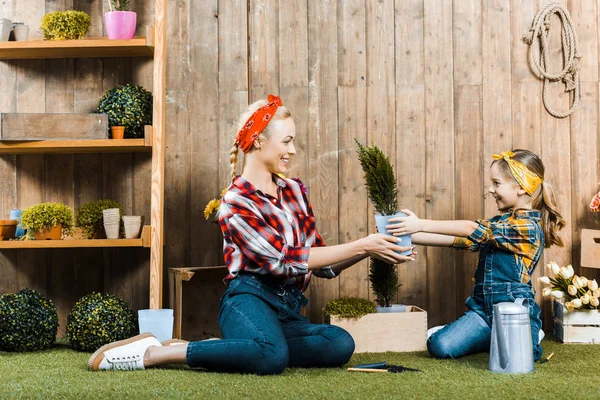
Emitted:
<point x="98" y="319"/>
<point x="28" y="321"/>
<point x="129" y="106"/>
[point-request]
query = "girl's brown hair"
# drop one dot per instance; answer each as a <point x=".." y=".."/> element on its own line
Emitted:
<point x="543" y="198"/>
<point x="281" y="113"/>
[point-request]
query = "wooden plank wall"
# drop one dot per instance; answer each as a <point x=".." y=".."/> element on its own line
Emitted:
<point x="439" y="85"/>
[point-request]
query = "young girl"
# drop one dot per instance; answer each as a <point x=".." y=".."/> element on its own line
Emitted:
<point x="272" y="249"/>
<point x="510" y="247"/>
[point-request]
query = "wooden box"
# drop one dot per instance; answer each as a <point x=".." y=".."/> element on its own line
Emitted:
<point x="579" y="326"/>
<point x="33" y="126"/>
<point x="590" y="248"/>
<point x="380" y="332"/>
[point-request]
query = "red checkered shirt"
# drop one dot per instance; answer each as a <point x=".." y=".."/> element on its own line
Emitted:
<point x="267" y="235"/>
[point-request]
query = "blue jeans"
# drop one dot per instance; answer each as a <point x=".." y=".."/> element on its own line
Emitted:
<point x="264" y="332"/>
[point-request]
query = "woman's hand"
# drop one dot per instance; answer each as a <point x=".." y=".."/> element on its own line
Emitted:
<point x="405" y="225"/>
<point x="384" y="247"/>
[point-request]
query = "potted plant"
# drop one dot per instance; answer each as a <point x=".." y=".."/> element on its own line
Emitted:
<point x="381" y="188"/>
<point x="89" y="216"/>
<point x="128" y="106"/>
<point x="47" y="221"/>
<point x="576" y="304"/>
<point x="119" y="21"/>
<point x="65" y="25"/>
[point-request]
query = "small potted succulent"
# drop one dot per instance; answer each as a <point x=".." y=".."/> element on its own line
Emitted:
<point x="127" y="106"/>
<point x="89" y="216"/>
<point x="119" y="21"/>
<point x="65" y="25"/>
<point x="47" y="221"/>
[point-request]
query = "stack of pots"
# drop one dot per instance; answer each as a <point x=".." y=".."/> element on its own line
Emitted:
<point x="112" y="221"/>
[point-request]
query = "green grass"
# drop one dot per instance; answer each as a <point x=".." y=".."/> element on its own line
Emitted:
<point x="573" y="372"/>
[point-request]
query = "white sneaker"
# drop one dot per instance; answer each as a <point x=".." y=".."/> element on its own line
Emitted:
<point x="433" y="330"/>
<point x="125" y="354"/>
<point x="541" y="336"/>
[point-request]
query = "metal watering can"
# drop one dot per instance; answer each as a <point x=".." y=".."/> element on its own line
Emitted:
<point x="511" y="350"/>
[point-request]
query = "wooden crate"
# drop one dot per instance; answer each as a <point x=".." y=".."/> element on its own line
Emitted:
<point x="379" y="332"/>
<point x="40" y="126"/>
<point x="580" y="326"/>
<point x="590" y="248"/>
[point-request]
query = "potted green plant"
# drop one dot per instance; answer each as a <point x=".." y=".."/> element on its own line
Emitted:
<point x="65" y="25"/>
<point x="88" y="217"/>
<point x="119" y="21"/>
<point x="47" y="221"/>
<point x="381" y="188"/>
<point x="128" y="106"/>
<point x="349" y="307"/>
<point x="384" y="282"/>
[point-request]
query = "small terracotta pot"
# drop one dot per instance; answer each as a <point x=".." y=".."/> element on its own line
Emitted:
<point x="53" y="233"/>
<point x="8" y="227"/>
<point x="118" y="132"/>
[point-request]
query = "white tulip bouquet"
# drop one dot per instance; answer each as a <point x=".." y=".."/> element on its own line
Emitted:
<point x="578" y="291"/>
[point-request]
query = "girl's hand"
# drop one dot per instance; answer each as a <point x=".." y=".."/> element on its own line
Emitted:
<point x="405" y="225"/>
<point x="384" y="247"/>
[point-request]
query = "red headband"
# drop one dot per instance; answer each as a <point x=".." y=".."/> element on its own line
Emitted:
<point x="257" y="123"/>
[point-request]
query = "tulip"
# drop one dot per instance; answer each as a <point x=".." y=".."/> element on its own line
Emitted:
<point x="576" y="282"/>
<point x="593" y="285"/>
<point x="572" y="290"/>
<point x="594" y="301"/>
<point x="557" y="294"/>
<point x="584" y="281"/>
<point x="569" y="306"/>
<point x="555" y="268"/>
<point x="597" y="293"/>
<point x="546" y="291"/>
<point x="585" y="299"/>
<point x="570" y="272"/>
<point x="576" y="303"/>
<point x="545" y="280"/>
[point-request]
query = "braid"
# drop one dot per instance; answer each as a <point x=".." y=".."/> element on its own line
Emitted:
<point x="233" y="158"/>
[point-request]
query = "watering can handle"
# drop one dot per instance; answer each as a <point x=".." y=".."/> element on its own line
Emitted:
<point x="521" y="300"/>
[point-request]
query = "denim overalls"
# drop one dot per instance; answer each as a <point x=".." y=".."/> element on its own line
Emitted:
<point x="497" y="279"/>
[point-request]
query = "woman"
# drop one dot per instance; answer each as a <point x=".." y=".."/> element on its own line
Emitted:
<point x="272" y="249"/>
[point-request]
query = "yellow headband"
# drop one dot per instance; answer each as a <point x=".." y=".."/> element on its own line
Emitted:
<point x="527" y="179"/>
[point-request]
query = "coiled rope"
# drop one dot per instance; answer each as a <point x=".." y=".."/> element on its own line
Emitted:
<point x="540" y="32"/>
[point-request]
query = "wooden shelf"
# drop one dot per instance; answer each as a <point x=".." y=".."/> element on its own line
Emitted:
<point x="140" y="46"/>
<point x="143" y="241"/>
<point x="80" y="146"/>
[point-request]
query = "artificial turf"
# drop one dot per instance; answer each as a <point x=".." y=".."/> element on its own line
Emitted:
<point x="573" y="373"/>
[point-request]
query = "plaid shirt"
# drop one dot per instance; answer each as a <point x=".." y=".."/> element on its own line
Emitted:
<point x="265" y="235"/>
<point x="518" y="232"/>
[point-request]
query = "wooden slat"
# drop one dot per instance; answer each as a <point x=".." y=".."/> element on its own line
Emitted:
<point x="75" y="146"/>
<point x="439" y="121"/>
<point x="89" y="47"/>
<point x="496" y="90"/>
<point x="263" y="59"/>
<point x="352" y="118"/>
<point x="52" y="126"/>
<point x="206" y="244"/>
<point x="410" y="134"/>
<point x="158" y="158"/>
<point x="466" y="32"/>
<point x="68" y="244"/>
<point x="323" y="138"/>
<point x="469" y="174"/>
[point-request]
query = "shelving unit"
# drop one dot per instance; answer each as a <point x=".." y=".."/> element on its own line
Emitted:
<point x="143" y="241"/>
<point x="152" y="44"/>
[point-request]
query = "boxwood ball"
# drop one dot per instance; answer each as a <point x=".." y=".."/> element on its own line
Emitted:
<point x="28" y="321"/>
<point x="98" y="319"/>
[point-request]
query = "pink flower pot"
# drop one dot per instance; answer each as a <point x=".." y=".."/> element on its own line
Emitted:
<point x="120" y="24"/>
